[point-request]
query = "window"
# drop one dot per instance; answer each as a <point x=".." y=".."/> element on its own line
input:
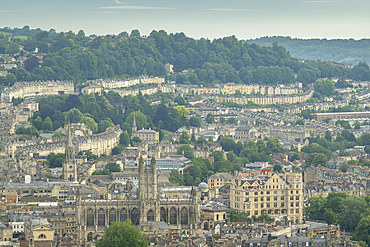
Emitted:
<point x="42" y="236"/>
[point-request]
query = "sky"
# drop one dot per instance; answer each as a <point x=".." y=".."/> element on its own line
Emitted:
<point x="246" y="19"/>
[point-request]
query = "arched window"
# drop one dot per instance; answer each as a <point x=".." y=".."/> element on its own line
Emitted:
<point x="184" y="216"/>
<point x="90" y="217"/>
<point x="123" y="215"/>
<point x="42" y="236"/>
<point x="150" y="216"/>
<point x="112" y="216"/>
<point x="101" y="217"/>
<point x="163" y="215"/>
<point x="173" y="216"/>
<point x="135" y="216"/>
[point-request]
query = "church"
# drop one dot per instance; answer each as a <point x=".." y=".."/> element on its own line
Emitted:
<point x="143" y="203"/>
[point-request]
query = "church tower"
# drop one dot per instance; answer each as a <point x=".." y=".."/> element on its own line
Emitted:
<point x="69" y="165"/>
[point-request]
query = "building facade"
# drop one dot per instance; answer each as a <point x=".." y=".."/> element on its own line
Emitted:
<point x="144" y="203"/>
<point x="276" y="195"/>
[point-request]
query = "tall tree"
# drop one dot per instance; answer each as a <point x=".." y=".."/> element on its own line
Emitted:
<point x="123" y="234"/>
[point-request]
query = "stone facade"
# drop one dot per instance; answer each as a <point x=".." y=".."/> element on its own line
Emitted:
<point x="276" y="195"/>
<point x="98" y="144"/>
<point x="32" y="89"/>
<point x="148" y="136"/>
<point x="261" y="100"/>
<point x="144" y="203"/>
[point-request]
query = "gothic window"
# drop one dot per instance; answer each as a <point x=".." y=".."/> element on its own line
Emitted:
<point x="135" y="216"/>
<point x="184" y="216"/>
<point x="90" y="217"/>
<point x="101" y="217"/>
<point x="173" y="216"/>
<point x="112" y="216"/>
<point x="123" y="215"/>
<point x="163" y="215"/>
<point x="150" y="216"/>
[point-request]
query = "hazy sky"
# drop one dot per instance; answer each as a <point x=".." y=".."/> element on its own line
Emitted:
<point x="196" y="18"/>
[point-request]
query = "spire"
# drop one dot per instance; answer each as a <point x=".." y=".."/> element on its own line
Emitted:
<point x="134" y="128"/>
<point x="69" y="155"/>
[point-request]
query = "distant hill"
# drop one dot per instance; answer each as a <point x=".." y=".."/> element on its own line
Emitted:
<point x="77" y="57"/>
<point x="348" y="51"/>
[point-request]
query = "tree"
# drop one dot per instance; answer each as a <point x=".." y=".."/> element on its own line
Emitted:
<point x="341" y="84"/>
<point x="74" y="115"/>
<point x="184" y="138"/>
<point x="231" y="120"/>
<point x="179" y="100"/>
<point x="29" y="45"/>
<point x="329" y="216"/>
<point x="210" y="118"/>
<point x="117" y="150"/>
<point x="135" y="33"/>
<point x="55" y="160"/>
<point x="47" y="124"/>
<point x="31" y="63"/>
<point x="104" y="124"/>
<point x="187" y="150"/>
<point x="316" y="159"/>
<point x="324" y="87"/>
<point x="278" y="168"/>
<point x="367" y="149"/>
<point x="300" y="122"/>
<point x="123" y="234"/>
<point x="124" y="139"/>
<point x="227" y="143"/>
<point x="364" y="139"/>
<point x="72" y="101"/>
<point x="328" y="136"/>
<point x="113" y="167"/>
<point x="344" y="167"/>
<point x="37" y="122"/>
<point x="316" y="208"/>
<point x="294" y="157"/>
<point x="349" y="136"/>
<point x="362" y="232"/>
<point x="140" y="118"/>
<point x="195" y="121"/>
<point x="352" y="209"/>
<point x="176" y="178"/>
<point x="90" y="123"/>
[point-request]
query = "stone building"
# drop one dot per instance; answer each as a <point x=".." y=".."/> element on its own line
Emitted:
<point x="145" y="202"/>
<point x="32" y="89"/>
<point x="98" y="144"/>
<point x="277" y="195"/>
<point x="146" y="135"/>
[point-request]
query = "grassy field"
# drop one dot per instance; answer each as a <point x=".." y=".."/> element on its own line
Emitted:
<point x="14" y="37"/>
<point x="5" y="33"/>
